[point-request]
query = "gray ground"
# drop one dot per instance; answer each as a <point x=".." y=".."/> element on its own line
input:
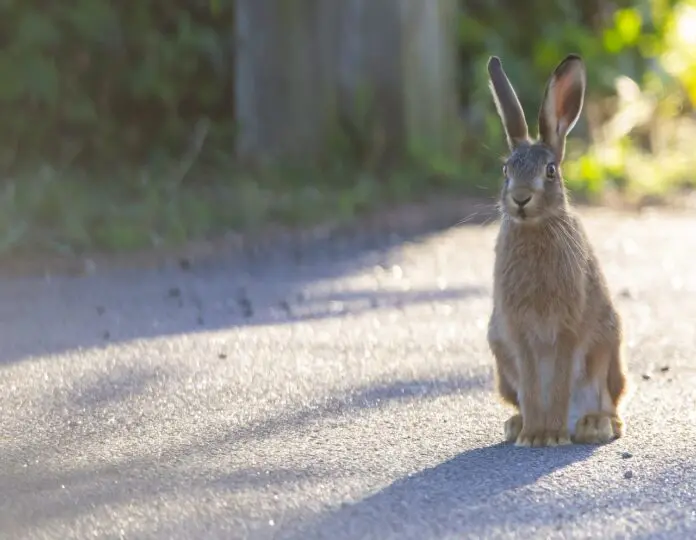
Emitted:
<point x="338" y="391"/>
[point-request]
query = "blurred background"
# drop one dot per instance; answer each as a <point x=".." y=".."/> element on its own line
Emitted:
<point x="130" y="125"/>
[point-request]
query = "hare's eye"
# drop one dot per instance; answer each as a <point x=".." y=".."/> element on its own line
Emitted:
<point x="551" y="171"/>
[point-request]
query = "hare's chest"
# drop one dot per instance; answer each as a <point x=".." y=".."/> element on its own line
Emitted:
<point x="540" y="287"/>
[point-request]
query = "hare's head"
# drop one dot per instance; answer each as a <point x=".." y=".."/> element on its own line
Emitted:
<point x="534" y="186"/>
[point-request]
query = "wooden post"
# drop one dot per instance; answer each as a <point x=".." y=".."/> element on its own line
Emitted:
<point x="304" y="68"/>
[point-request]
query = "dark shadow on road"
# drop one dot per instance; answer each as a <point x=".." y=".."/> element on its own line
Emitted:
<point x="65" y="320"/>
<point x="88" y="405"/>
<point x="459" y="498"/>
<point x="492" y="492"/>
<point x="266" y="285"/>
<point x="349" y="404"/>
<point x="117" y="386"/>
<point x="31" y="495"/>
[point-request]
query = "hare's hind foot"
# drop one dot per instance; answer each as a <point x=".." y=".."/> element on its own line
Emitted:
<point x="543" y="437"/>
<point x="513" y="427"/>
<point x="598" y="428"/>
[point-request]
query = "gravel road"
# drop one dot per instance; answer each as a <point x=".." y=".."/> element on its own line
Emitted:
<point x="342" y="390"/>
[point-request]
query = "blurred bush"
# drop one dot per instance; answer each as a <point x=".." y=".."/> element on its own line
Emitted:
<point x="641" y="61"/>
<point x="100" y="81"/>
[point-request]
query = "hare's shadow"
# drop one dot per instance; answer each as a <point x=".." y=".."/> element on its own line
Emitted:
<point x="468" y="494"/>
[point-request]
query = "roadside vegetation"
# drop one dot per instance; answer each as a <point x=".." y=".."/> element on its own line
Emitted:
<point x="118" y="124"/>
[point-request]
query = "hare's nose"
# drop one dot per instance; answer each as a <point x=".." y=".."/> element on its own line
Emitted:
<point x="521" y="202"/>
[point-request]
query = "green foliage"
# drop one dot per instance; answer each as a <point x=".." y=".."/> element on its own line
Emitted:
<point x="651" y="43"/>
<point x="532" y="37"/>
<point x="101" y="81"/>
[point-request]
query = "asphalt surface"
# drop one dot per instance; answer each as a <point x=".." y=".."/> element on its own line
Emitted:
<point x="338" y="391"/>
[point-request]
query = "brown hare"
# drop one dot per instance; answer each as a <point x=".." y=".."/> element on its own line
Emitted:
<point x="554" y="332"/>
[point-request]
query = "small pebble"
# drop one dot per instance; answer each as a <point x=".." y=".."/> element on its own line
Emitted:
<point x="626" y="455"/>
<point x="646" y="377"/>
<point x="664" y="369"/>
<point x="174" y="292"/>
<point x="626" y="293"/>
<point x="222" y="356"/>
<point x="245" y="304"/>
<point x="628" y="475"/>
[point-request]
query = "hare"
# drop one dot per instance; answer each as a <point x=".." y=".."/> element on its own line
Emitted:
<point x="554" y="333"/>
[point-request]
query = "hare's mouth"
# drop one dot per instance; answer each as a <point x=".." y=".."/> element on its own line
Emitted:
<point x="522" y="216"/>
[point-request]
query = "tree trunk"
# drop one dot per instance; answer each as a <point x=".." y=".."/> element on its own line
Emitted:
<point x="382" y="72"/>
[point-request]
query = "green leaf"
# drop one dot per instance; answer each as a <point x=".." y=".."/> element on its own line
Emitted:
<point x="628" y="25"/>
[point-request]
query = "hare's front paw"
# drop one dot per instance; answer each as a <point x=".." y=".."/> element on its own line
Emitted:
<point x="543" y="437"/>
<point x="598" y="428"/>
<point x="513" y="427"/>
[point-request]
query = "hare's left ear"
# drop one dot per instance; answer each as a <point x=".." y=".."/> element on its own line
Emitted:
<point x="562" y="103"/>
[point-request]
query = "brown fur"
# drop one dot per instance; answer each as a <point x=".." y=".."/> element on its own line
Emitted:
<point x="554" y="332"/>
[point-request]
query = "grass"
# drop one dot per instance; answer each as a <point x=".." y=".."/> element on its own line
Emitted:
<point x="70" y="212"/>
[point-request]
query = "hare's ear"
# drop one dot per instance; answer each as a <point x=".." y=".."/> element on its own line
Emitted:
<point x="562" y="103"/>
<point x="507" y="104"/>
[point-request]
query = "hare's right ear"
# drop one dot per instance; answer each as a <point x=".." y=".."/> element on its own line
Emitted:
<point x="507" y="104"/>
<point x="562" y="103"/>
